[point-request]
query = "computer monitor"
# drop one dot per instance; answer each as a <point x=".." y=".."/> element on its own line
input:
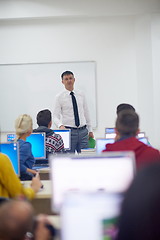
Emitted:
<point x="3" y="136"/>
<point x="109" y="130"/>
<point x="94" y="216"/>
<point x="11" y="137"/>
<point x="141" y="135"/>
<point x="110" y="172"/>
<point x="144" y="140"/>
<point x="12" y="151"/>
<point x="66" y="136"/>
<point x="101" y="143"/>
<point x="37" y="141"/>
<point x="110" y="133"/>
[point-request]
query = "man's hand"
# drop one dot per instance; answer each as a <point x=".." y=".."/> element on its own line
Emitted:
<point x="42" y="232"/>
<point x="62" y="127"/>
<point x="91" y="135"/>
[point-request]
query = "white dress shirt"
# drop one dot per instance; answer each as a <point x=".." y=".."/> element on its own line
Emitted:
<point x="63" y="113"/>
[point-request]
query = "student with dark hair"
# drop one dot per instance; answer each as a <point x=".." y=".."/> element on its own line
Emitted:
<point x="54" y="142"/>
<point x="140" y="213"/>
<point x="71" y="112"/>
<point x="127" y="127"/>
<point x="124" y="106"/>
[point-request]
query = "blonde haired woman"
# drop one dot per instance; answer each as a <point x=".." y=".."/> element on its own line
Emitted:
<point x="23" y="126"/>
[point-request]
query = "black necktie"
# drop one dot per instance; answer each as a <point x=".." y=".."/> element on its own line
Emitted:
<point x="75" y="108"/>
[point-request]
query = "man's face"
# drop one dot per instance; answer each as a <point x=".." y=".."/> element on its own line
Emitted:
<point x="68" y="81"/>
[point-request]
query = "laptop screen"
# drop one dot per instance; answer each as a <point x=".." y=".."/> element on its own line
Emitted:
<point x="101" y="143"/>
<point x="110" y="133"/>
<point x="141" y="134"/>
<point x="12" y="151"/>
<point x="66" y="136"/>
<point x="111" y="172"/>
<point x="93" y="215"/>
<point x="144" y="140"/>
<point x="109" y="130"/>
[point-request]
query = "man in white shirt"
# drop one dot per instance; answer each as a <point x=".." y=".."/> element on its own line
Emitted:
<point x="66" y="114"/>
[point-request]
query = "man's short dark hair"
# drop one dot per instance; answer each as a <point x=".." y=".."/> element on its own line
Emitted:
<point x="44" y="117"/>
<point x="127" y="123"/>
<point x="66" y="73"/>
<point x="124" y="106"/>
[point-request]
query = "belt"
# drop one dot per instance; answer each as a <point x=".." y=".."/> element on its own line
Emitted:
<point x="80" y="128"/>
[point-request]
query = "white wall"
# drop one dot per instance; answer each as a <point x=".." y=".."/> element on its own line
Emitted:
<point x="63" y="8"/>
<point x="156" y="76"/>
<point x="121" y="45"/>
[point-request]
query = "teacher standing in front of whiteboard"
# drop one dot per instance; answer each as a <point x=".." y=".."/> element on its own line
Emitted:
<point x="71" y="112"/>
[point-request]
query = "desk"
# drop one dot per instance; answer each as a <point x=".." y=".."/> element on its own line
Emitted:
<point x="44" y="173"/>
<point x="88" y="151"/>
<point x="42" y="200"/>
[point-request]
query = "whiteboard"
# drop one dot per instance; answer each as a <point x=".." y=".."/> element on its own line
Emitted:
<point x="29" y="88"/>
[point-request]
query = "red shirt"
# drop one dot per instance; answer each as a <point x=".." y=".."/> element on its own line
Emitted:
<point x="144" y="154"/>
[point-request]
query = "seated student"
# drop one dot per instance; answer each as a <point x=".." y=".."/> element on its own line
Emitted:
<point x="54" y="142"/>
<point x="127" y="127"/>
<point x="23" y="126"/>
<point x="10" y="185"/>
<point x="124" y="106"/>
<point x="17" y="222"/>
<point x="140" y="212"/>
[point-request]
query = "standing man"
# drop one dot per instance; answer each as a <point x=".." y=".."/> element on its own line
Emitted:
<point x="71" y="112"/>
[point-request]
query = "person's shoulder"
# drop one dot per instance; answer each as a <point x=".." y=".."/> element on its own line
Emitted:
<point x="24" y="144"/>
<point x="5" y="162"/>
<point x="152" y="149"/>
<point x="55" y="136"/>
<point x="35" y="130"/>
<point x="79" y="92"/>
<point x="60" y="94"/>
<point x="149" y="149"/>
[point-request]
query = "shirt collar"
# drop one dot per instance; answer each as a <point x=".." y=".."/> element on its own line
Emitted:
<point x="68" y="92"/>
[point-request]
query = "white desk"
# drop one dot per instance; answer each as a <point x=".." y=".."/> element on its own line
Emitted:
<point x="43" y="193"/>
<point x="88" y="151"/>
<point x="42" y="200"/>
